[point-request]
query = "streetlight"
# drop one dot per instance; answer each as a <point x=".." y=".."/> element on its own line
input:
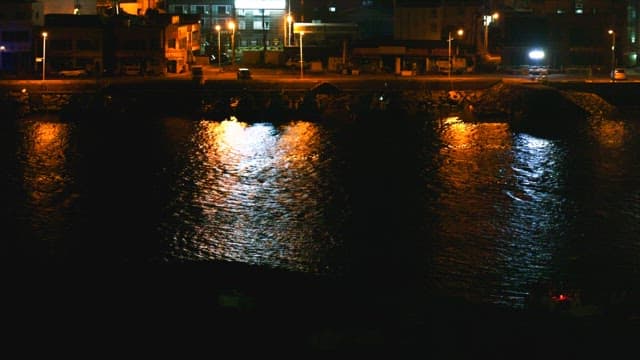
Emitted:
<point x="218" y="28"/>
<point x="44" y="52"/>
<point x="232" y="27"/>
<point x="289" y="21"/>
<point x="460" y="32"/>
<point x="613" y="51"/>
<point x="301" y="59"/>
<point x="488" y="19"/>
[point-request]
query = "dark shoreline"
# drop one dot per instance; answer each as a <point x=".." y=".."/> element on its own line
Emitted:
<point x="244" y="305"/>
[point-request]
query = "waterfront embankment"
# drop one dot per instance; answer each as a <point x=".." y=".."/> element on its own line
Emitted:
<point x="480" y="99"/>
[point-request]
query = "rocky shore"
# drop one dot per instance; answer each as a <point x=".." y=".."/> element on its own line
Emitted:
<point x="269" y="101"/>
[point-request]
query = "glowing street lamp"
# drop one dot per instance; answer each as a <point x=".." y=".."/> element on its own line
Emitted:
<point x="301" y="59"/>
<point x="613" y="50"/>
<point x="288" y="31"/>
<point x="2" y="50"/>
<point x="460" y="32"/>
<point x="232" y="27"/>
<point x="218" y="28"/>
<point x="44" y="53"/>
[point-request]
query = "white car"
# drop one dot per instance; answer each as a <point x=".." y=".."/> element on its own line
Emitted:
<point x="538" y="71"/>
<point x="618" y="74"/>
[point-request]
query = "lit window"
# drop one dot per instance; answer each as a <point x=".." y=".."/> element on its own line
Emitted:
<point x="257" y="25"/>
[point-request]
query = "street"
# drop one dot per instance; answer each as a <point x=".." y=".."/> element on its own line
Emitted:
<point x="264" y="78"/>
<point x="212" y="72"/>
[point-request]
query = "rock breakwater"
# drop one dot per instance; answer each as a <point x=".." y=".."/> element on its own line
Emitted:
<point x="499" y="101"/>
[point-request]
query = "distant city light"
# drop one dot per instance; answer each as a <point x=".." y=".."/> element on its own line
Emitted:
<point x="536" y="54"/>
<point x="261" y="4"/>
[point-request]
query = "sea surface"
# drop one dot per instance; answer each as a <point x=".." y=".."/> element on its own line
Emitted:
<point x="484" y="212"/>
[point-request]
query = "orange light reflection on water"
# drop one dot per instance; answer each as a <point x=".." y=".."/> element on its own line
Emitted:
<point x="47" y="182"/>
<point x="474" y="165"/>
<point x="45" y="150"/>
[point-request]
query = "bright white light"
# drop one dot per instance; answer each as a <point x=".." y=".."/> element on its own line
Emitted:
<point x="536" y="54"/>
<point x="261" y="4"/>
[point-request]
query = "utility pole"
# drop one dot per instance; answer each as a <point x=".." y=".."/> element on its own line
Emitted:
<point x="264" y="40"/>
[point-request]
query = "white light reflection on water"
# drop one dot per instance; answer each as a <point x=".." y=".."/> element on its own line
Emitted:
<point x="536" y="216"/>
<point x="254" y="195"/>
<point x="501" y="196"/>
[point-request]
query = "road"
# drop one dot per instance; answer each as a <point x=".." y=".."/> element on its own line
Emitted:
<point x="264" y="78"/>
<point x="228" y="73"/>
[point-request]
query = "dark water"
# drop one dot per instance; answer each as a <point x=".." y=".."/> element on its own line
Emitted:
<point x="480" y="211"/>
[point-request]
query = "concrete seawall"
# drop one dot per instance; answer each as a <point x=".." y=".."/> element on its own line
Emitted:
<point x="265" y="100"/>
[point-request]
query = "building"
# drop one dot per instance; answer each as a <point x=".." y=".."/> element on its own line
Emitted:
<point x="263" y="30"/>
<point x="572" y="33"/>
<point x="19" y="21"/>
<point x="122" y="44"/>
<point x="72" y="7"/>
<point x="212" y="13"/>
<point x="390" y="34"/>
<point x="74" y="42"/>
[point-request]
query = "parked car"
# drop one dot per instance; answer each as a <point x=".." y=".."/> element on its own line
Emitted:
<point x="618" y="74"/>
<point x="538" y="71"/>
<point x="244" y="74"/>
<point x="294" y="63"/>
<point x="77" y="72"/>
<point x="131" y="69"/>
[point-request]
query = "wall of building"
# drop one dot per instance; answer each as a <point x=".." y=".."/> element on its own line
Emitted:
<point x="85" y="7"/>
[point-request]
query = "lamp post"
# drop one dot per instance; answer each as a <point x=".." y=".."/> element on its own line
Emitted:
<point x="460" y="32"/>
<point x="613" y="51"/>
<point x="218" y="28"/>
<point x="289" y="21"/>
<point x="285" y="32"/>
<point x="301" y="59"/>
<point x="44" y="54"/>
<point x="232" y="27"/>
<point x="2" y="50"/>
<point x="488" y="19"/>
